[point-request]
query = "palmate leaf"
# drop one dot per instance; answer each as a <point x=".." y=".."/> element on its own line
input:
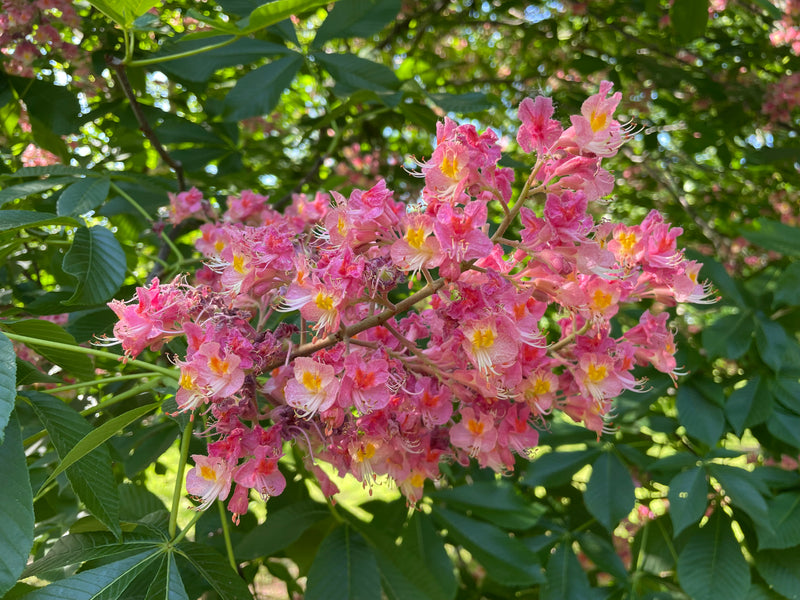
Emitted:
<point x="103" y="583"/>
<point x="167" y="584"/>
<point x="344" y="569"/>
<point x="97" y="436"/>
<point x="83" y="196"/>
<point x="8" y="381"/>
<point x="609" y="495"/>
<point x="16" y="509"/>
<point x="688" y="498"/>
<point x="566" y="579"/>
<point x="215" y="569"/>
<point x="356" y="18"/>
<point x="72" y="362"/>
<point x="711" y="565"/>
<point x="97" y="261"/>
<point x="258" y="92"/>
<point x="281" y="528"/>
<point x="20" y="219"/>
<point x="91" y="477"/>
<point x="782" y="529"/>
<point x="274" y="12"/>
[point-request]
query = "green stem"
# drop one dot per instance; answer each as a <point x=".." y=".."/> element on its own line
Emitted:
<point x="33" y="342"/>
<point x="186" y="529"/>
<point x="131" y="201"/>
<point x="160" y="59"/>
<point x="226" y="533"/>
<point x="177" y="493"/>
<point x="98" y="382"/>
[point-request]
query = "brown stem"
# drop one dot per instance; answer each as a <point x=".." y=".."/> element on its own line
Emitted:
<point x="119" y="68"/>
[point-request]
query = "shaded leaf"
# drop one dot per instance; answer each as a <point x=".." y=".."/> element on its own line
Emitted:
<point x="344" y="569"/>
<point x="356" y="18"/>
<point x="72" y="362"/>
<point x="356" y="73"/>
<point x="83" y="196"/>
<point x="97" y="261"/>
<point x="463" y="103"/>
<point x="167" y="584"/>
<point x="8" y="382"/>
<point x="787" y="289"/>
<point x="785" y="427"/>
<point x="21" y="219"/>
<point x="781" y="570"/>
<point x="702" y="418"/>
<point x="609" y="495"/>
<point x="711" y="565"/>
<point x="23" y="190"/>
<point x="215" y="569"/>
<point x="749" y="405"/>
<point x="730" y="336"/>
<point x="688" y="19"/>
<point x="688" y="498"/>
<point x="258" y="92"/>
<point x="557" y="468"/>
<point x="495" y="501"/>
<point x="744" y="490"/>
<point x="781" y="529"/>
<point x="774" y="235"/>
<point x="91" y="477"/>
<point x="281" y="528"/>
<point x="16" y="509"/>
<point x="566" y="579"/>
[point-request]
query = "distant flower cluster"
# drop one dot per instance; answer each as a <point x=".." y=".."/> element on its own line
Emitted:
<point x="301" y="328"/>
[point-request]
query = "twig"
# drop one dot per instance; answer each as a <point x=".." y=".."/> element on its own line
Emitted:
<point x="119" y="68"/>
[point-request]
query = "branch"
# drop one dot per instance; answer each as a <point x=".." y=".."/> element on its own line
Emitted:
<point x="119" y="68"/>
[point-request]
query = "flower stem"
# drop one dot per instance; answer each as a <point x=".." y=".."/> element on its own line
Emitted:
<point x="226" y="533"/>
<point x="177" y="492"/>
<point x="33" y="342"/>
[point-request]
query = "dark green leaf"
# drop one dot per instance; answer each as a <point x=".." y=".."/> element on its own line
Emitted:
<point x="711" y="565"/>
<point x="703" y="419"/>
<point x="729" y="289"/>
<point x="775" y="346"/>
<point x="744" y="490"/>
<point x="463" y="103"/>
<point x="356" y="18"/>
<point x="786" y="391"/>
<point x="98" y="436"/>
<point x="688" y="498"/>
<point x="771" y="9"/>
<point x="557" y="468"/>
<point x="344" y="569"/>
<point x="730" y="336"/>
<point x="566" y="579"/>
<point x="689" y="18"/>
<point x="785" y="427"/>
<point x="609" y="495"/>
<point x="281" y="528"/>
<point x="8" y="381"/>
<point x="603" y="554"/>
<point x="23" y="190"/>
<point x="103" y="583"/>
<point x="787" y="289"/>
<point x="97" y="261"/>
<point x="91" y="477"/>
<point x="16" y="509"/>
<point x="495" y="501"/>
<point x="506" y="559"/>
<point x="782" y="528"/>
<point x="258" y="92"/>
<point x="749" y="405"/>
<point x="55" y="107"/>
<point x="216" y="570"/>
<point x="73" y="362"/>
<point x="781" y="570"/>
<point x="83" y="195"/>
<point x="774" y="235"/>
<point x="167" y="584"/>
<point x="355" y="73"/>
<point x="21" y="219"/>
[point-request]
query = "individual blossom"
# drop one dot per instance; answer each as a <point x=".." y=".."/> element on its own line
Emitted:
<point x="313" y="388"/>
<point x="208" y="480"/>
<point x="184" y="205"/>
<point x="595" y="130"/>
<point x="537" y="132"/>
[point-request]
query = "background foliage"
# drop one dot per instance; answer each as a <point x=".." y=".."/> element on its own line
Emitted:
<point x="696" y="495"/>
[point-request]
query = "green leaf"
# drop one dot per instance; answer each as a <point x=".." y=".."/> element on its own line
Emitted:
<point x="557" y="468"/>
<point x="55" y="108"/>
<point x="16" y="509"/>
<point x="83" y="195"/>
<point x="782" y="527"/>
<point x="711" y="565"/>
<point x="356" y="18"/>
<point x="786" y="391"/>
<point x="345" y="568"/>
<point x="688" y="498"/>
<point x="48" y="170"/>
<point x="730" y="336"/>
<point x="8" y="381"/>
<point x="785" y="427"/>
<point x="91" y="477"/>
<point x="774" y="344"/>
<point x="781" y="570"/>
<point x="167" y="584"/>
<point x="216" y="570"/>
<point x="566" y="579"/>
<point x="23" y="190"/>
<point x="602" y="554"/>
<point x="702" y="418"/>
<point x="98" y="436"/>
<point x="744" y="490"/>
<point x="109" y="9"/>
<point x="771" y="9"/>
<point x="21" y="219"/>
<point x="73" y="362"/>
<point x="133" y="9"/>
<point x="258" y="92"/>
<point x="774" y="235"/>
<point x="787" y="289"/>
<point x="97" y="261"/>
<point x="506" y="559"/>
<point x="78" y="548"/>
<point x="495" y="501"/>
<point x="354" y="73"/>
<point x="610" y="494"/>
<point x="689" y="19"/>
<point x="729" y="289"/>
<point x="470" y="102"/>
<point x="103" y="583"/>
<point x="274" y="12"/>
<point x="749" y="405"/>
<point x="281" y="528"/>
<point x="201" y="67"/>
<point x="417" y="568"/>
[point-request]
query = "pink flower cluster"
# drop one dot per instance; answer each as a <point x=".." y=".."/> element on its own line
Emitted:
<point x="782" y="98"/>
<point x="300" y="327"/>
<point x="788" y="32"/>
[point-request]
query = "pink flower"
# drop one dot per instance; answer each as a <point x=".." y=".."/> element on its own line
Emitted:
<point x="262" y="474"/>
<point x="208" y="480"/>
<point x="313" y="388"/>
<point x="538" y="132"/>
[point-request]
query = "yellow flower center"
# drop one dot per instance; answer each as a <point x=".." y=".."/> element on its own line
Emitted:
<point x="597" y="373"/>
<point x="238" y="264"/>
<point x="417" y="480"/>
<point x="597" y="121"/>
<point x="541" y="386"/>
<point x="323" y="301"/>
<point x="627" y="241"/>
<point x="312" y="381"/>
<point x="475" y="427"/>
<point x="415" y="237"/>
<point x="483" y="338"/>
<point x="601" y="300"/>
<point x="450" y="166"/>
<point x="365" y="452"/>
<point x="186" y="381"/>
<point x="208" y="473"/>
